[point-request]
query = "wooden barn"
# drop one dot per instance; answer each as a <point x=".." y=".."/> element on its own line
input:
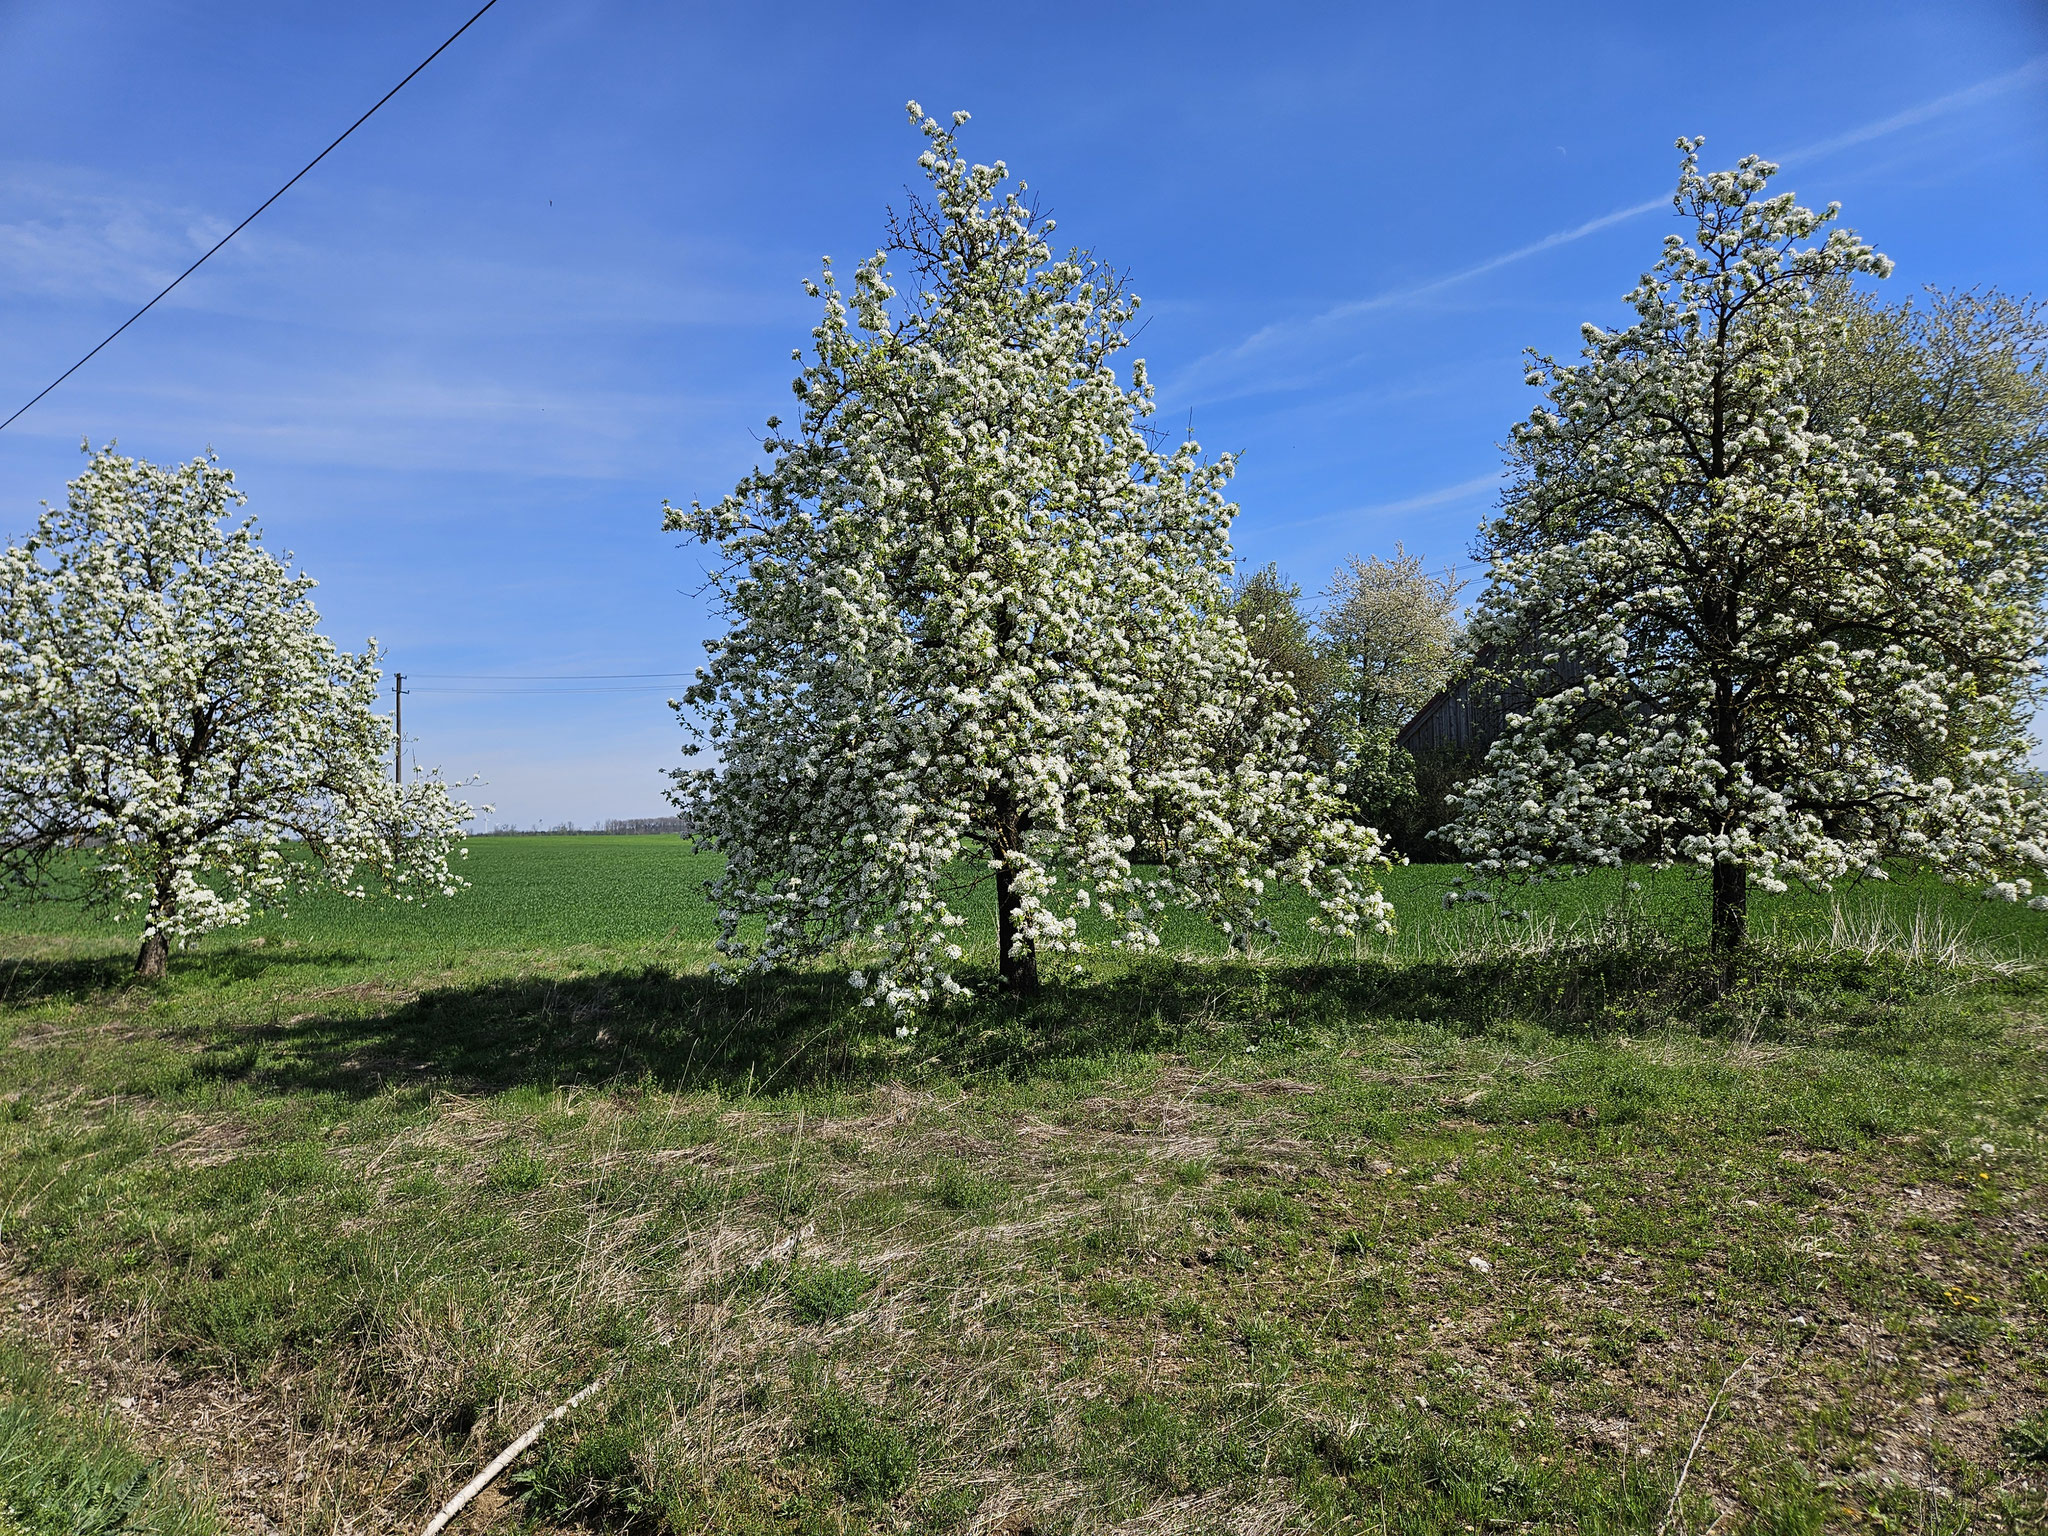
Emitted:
<point x="1451" y="722"/>
<point x="1466" y="720"/>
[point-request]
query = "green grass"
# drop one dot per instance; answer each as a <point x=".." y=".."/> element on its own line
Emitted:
<point x="69" y="1468"/>
<point x="1465" y="1231"/>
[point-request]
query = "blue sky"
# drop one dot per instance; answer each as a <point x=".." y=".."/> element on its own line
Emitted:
<point x="559" y="277"/>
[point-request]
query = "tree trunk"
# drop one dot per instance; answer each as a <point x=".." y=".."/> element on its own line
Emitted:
<point x="154" y="958"/>
<point x="1731" y="907"/>
<point x="1731" y="881"/>
<point x="1020" y="970"/>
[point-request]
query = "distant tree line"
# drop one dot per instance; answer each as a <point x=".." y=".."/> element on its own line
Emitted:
<point x="630" y="826"/>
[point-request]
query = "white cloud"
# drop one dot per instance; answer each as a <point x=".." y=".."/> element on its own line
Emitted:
<point x="413" y="415"/>
<point x="370" y="352"/>
<point x="68" y="238"/>
<point x="72" y="233"/>
<point x="357" y="346"/>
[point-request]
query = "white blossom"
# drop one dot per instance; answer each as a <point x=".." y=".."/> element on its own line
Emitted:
<point x="1729" y="634"/>
<point x="980" y="623"/>
<point x="174" y="727"/>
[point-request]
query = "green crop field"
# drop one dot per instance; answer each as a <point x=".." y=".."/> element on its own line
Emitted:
<point x="1547" y="1223"/>
<point x="526" y="891"/>
<point x="562" y="891"/>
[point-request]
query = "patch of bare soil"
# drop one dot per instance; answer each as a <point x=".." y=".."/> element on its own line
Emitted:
<point x="278" y="1455"/>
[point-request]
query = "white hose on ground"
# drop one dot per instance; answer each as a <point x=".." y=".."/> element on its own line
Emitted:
<point x="504" y="1459"/>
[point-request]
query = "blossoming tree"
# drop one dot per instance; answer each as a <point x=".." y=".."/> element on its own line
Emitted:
<point x="981" y="632"/>
<point x="1737" y="635"/>
<point x="177" y="739"/>
<point x="1395" y="639"/>
<point x="1280" y="630"/>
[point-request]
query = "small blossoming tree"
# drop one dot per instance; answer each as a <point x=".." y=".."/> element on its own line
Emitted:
<point x="981" y="633"/>
<point x="177" y="739"/>
<point x="1748" y="638"/>
<point x="1395" y="639"/>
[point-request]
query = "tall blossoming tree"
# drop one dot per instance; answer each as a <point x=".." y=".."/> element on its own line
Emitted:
<point x="1750" y="637"/>
<point x="177" y="739"/>
<point x="981" y="632"/>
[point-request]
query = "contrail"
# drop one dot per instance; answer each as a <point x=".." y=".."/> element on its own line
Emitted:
<point x="1263" y="338"/>
<point x="1927" y="111"/>
<point x="1418" y="503"/>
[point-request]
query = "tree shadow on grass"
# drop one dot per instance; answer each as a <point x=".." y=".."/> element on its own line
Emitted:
<point x="28" y="979"/>
<point x="802" y="1030"/>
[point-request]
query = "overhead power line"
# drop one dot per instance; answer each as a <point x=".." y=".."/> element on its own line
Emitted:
<point x="538" y="693"/>
<point x="540" y="685"/>
<point x="224" y="239"/>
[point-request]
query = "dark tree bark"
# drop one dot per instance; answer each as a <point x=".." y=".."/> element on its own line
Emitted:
<point x="1731" y="881"/>
<point x="155" y="956"/>
<point x="1731" y="907"/>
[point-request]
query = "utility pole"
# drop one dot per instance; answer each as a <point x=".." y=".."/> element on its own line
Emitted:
<point x="398" y="727"/>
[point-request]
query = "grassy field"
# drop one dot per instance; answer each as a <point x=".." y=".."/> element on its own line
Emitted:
<point x="1525" y="1226"/>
